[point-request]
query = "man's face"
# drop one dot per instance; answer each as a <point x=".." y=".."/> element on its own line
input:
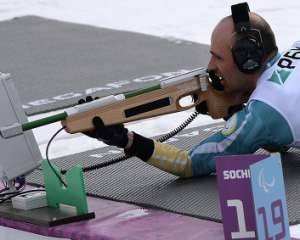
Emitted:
<point x="221" y="61"/>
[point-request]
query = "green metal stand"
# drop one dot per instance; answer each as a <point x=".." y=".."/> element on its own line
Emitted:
<point x="72" y="195"/>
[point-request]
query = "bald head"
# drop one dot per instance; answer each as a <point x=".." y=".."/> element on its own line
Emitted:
<point x="223" y="61"/>
<point x="225" y="32"/>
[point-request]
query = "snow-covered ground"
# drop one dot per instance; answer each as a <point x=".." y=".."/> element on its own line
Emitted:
<point x="190" y="19"/>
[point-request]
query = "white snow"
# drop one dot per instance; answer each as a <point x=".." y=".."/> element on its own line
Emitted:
<point x="190" y="20"/>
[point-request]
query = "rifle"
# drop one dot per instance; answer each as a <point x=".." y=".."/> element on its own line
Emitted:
<point x="159" y="99"/>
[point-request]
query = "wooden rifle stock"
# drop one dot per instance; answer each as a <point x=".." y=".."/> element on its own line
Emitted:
<point x="164" y="99"/>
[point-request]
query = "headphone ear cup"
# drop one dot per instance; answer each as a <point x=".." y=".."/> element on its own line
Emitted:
<point x="247" y="54"/>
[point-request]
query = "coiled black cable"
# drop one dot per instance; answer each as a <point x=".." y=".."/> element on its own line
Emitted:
<point x="179" y="128"/>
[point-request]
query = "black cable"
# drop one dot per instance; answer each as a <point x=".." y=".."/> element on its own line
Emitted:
<point x="124" y="157"/>
<point x="179" y="128"/>
<point x="8" y="193"/>
<point x="47" y="157"/>
<point x="3" y="190"/>
<point x="12" y="192"/>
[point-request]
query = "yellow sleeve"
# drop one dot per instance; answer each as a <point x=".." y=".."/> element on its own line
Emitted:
<point x="171" y="159"/>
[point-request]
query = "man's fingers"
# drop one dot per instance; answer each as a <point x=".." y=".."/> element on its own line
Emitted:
<point x="81" y="101"/>
<point x="202" y="108"/>
<point x="118" y="127"/>
<point x="98" y="123"/>
<point x="89" y="99"/>
<point x="101" y="130"/>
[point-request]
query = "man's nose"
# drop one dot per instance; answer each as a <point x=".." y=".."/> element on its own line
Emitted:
<point x="211" y="64"/>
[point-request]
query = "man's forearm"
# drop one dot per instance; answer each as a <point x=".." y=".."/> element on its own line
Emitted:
<point x="163" y="156"/>
<point x="171" y="159"/>
<point x="139" y="146"/>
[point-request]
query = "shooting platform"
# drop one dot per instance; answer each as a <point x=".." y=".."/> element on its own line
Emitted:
<point x="134" y="181"/>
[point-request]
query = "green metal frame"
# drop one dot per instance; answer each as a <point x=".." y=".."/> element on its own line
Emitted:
<point x="73" y="195"/>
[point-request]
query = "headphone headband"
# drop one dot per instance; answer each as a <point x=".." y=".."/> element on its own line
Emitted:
<point x="240" y="16"/>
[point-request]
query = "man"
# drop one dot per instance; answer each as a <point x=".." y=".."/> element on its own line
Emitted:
<point x="245" y="60"/>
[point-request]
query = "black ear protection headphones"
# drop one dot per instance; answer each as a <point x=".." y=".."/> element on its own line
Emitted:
<point x="248" y="50"/>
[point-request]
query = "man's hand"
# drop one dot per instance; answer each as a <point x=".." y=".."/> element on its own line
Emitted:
<point x="202" y="108"/>
<point x="115" y="135"/>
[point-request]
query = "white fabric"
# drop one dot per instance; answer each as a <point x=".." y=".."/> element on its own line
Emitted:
<point x="283" y="94"/>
